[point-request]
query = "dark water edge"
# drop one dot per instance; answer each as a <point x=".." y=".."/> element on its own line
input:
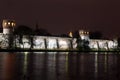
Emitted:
<point x="55" y="50"/>
<point x="59" y="66"/>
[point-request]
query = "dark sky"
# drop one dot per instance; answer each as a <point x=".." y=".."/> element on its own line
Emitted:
<point x="62" y="16"/>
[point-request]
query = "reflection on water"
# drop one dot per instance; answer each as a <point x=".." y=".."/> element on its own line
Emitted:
<point x="59" y="66"/>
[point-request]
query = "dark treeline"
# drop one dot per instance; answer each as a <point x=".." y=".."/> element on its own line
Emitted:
<point x="25" y="30"/>
<point x="95" y="35"/>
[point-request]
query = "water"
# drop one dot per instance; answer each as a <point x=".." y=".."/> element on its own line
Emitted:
<point x="59" y="66"/>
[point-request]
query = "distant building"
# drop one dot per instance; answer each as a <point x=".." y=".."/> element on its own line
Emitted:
<point x="10" y="40"/>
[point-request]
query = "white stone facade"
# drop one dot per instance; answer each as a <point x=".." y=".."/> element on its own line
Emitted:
<point x="8" y="40"/>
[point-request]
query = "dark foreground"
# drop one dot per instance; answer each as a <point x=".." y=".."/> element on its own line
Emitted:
<point x="59" y="66"/>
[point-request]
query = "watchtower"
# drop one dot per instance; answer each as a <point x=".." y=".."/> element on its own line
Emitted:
<point x="84" y="35"/>
<point x="8" y="28"/>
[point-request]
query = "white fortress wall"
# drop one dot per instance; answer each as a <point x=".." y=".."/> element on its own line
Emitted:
<point x="26" y="43"/>
<point x="74" y="43"/>
<point x="9" y="40"/>
<point x="59" y="43"/>
<point x="112" y="44"/>
<point x="48" y="42"/>
<point x="102" y="44"/>
<point x="63" y="43"/>
<point x="45" y="42"/>
<point x="17" y="42"/>
<point x="4" y="40"/>
<point x="93" y="44"/>
<point x="39" y="42"/>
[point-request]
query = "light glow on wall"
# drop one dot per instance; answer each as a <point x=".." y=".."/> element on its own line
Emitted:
<point x="5" y="41"/>
<point x="25" y="42"/>
<point x="102" y="44"/>
<point x="7" y="31"/>
<point x="63" y="44"/>
<point x="39" y="43"/>
<point x="110" y="44"/>
<point x="84" y="37"/>
<point x="17" y="41"/>
<point x="74" y="43"/>
<point x="93" y="44"/>
<point x="51" y="43"/>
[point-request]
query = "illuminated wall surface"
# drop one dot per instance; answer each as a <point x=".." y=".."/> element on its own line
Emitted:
<point x="51" y="43"/>
<point x="84" y="37"/>
<point x="102" y="44"/>
<point x="38" y="42"/>
<point x="74" y="43"/>
<point x="41" y="42"/>
<point x="8" y="40"/>
<point x="44" y="42"/>
<point x="4" y="40"/>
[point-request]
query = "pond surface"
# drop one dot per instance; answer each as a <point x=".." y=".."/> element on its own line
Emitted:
<point x="59" y="66"/>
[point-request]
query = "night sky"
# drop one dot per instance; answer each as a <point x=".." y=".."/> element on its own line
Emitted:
<point x="62" y="16"/>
